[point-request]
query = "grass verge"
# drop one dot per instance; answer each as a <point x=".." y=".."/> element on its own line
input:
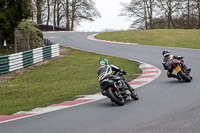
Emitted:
<point x="159" y="37"/>
<point x="3" y="51"/>
<point x="57" y="81"/>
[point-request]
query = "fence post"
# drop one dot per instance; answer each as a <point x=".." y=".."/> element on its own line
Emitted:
<point x="28" y="45"/>
<point x="15" y="44"/>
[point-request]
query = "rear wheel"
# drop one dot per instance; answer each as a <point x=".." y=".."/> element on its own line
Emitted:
<point x="184" y="76"/>
<point x="115" y="97"/>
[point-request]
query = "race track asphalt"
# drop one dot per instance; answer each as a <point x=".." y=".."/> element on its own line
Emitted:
<point x="165" y="105"/>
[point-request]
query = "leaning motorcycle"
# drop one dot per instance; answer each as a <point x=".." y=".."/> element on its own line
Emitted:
<point x="117" y="90"/>
<point x="178" y="69"/>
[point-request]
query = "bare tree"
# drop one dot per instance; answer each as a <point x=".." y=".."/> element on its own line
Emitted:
<point x="163" y="13"/>
<point x="48" y="11"/>
<point x="188" y="14"/>
<point x="198" y="12"/>
<point x="54" y="12"/>
<point x="150" y="5"/>
<point x="38" y="9"/>
<point x="63" y="13"/>
<point x="79" y="10"/>
<point x="142" y="10"/>
<point x="59" y="11"/>
<point x="67" y="12"/>
<point x="136" y="9"/>
<point x="74" y="5"/>
<point x="170" y="7"/>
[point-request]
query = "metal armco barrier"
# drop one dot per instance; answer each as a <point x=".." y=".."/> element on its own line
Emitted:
<point x="20" y="60"/>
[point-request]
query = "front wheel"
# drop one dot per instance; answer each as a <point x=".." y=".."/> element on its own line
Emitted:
<point x="185" y="76"/>
<point x="134" y="94"/>
<point x="115" y="96"/>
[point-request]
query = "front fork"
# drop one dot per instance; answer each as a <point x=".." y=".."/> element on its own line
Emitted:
<point x="130" y="88"/>
<point x="118" y="91"/>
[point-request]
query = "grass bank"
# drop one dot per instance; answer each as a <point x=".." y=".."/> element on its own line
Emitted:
<point x="6" y="52"/>
<point x="159" y="37"/>
<point x="22" y="31"/>
<point x="57" y="81"/>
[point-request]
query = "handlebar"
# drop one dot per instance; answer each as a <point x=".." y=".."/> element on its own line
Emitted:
<point x="120" y="73"/>
<point x="180" y="57"/>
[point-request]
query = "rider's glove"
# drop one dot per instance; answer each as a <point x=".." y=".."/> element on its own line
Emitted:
<point x="124" y="72"/>
<point x="121" y="70"/>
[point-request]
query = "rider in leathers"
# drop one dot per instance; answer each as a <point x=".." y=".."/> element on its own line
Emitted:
<point x="168" y="57"/>
<point x="107" y="70"/>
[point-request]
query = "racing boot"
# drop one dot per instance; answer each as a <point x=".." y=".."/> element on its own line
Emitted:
<point x="188" y="69"/>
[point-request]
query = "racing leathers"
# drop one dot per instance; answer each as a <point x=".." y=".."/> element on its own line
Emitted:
<point x="109" y="71"/>
<point x="167" y="67"/>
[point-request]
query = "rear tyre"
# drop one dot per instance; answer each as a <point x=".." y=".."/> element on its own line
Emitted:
<point x="115" y="97"/>
<point x="184" y="76"/>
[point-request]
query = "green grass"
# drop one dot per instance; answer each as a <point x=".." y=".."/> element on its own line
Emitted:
<point x="28" y="28"/>
<point x="57" y="81"/>
<point x="160" y="37"/>
<point x="3" y="51"/>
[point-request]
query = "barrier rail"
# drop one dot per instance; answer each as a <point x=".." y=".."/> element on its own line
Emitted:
<point x="20" y="60"/>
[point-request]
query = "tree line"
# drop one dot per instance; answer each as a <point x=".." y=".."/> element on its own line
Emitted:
<point x="67" y="14"/>
<point x="151" y="14"/>
<point x="63" y="13"/>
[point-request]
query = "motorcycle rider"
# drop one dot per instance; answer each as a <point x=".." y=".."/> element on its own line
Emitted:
<point x="106" y="70"/>
<point x="168" y="57"/>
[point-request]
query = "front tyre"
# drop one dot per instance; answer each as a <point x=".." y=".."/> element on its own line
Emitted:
<point x="134" y="95"/>
<point x="184" y="76"/>
<point x="114" y="96"/>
